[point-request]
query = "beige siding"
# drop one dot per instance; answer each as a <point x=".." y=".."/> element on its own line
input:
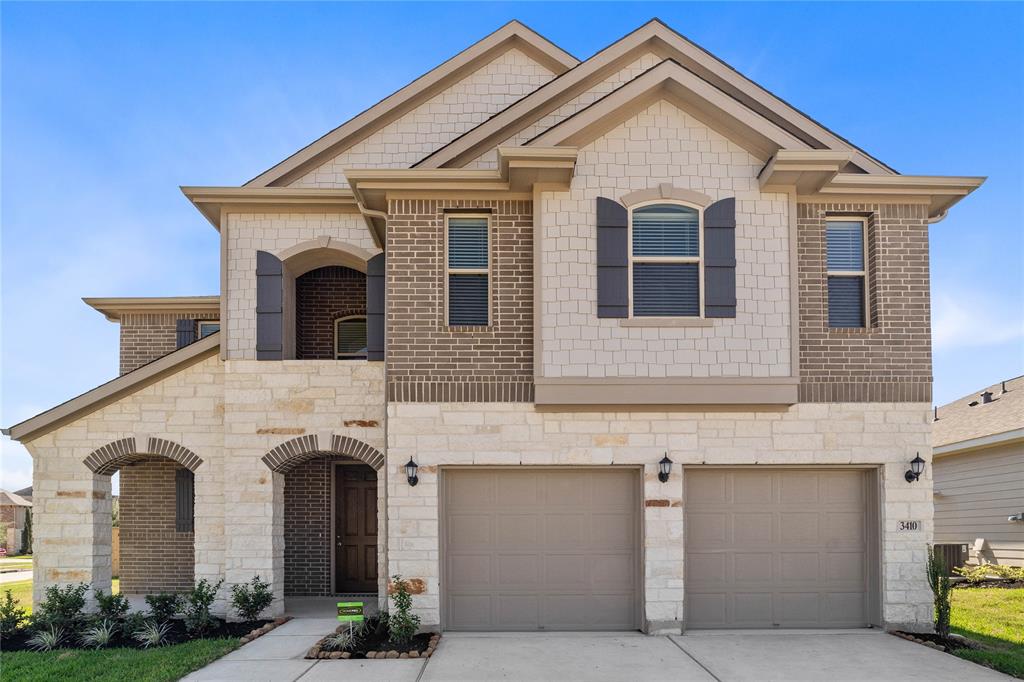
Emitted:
<point x="975" y="492"/>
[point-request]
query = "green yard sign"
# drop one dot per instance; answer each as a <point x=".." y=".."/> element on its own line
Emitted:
<point x="350" y="611"/>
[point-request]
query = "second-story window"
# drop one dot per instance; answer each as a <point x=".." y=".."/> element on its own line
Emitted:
<point x="665" y="261"/>
<point x="350" y="337"/>
<point x="468" y="260"/>
<point x="847" y="273"/>
<point x="207" y="327"/>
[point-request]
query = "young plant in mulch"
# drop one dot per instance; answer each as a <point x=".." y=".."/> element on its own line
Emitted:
<point x="251" y="599"/>
<point x="198" y="619"/>
<point x="402" y="623"/>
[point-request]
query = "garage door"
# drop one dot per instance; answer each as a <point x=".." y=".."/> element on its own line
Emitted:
<point x="777" y="548"/>
<point x="535" y="549"/>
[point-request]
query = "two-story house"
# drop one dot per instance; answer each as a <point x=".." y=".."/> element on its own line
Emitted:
<point x="622" y="343"/>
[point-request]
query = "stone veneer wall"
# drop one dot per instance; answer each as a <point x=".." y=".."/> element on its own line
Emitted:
<point x="438" y="120"/>
<point x="883" y="434"/>
<point x="155" y="557"/>
<point x="664" y="144"/>
<point x="148" y="336"/>
<point x="891" y="359"/>
<point x="322" y="296"/>
<point x="427" y="360"/>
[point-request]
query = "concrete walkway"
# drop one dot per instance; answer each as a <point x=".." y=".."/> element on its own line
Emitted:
<point x="15" y="576"/>
<point x="605" y="657"/>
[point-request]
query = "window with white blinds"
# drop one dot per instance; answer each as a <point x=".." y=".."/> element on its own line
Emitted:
<point x="468" y="244"/>
<point x="847" y="273"/>
<point x="665" y="261"/>
<point x="350" y="337"/>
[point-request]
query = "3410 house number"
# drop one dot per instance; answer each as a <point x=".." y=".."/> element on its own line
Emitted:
<point x="909" y="525"/>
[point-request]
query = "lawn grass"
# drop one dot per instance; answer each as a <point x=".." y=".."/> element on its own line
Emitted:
<point x="22" y="591"/>
<point x="141" y="665"/>
<point x="995" y="618"/>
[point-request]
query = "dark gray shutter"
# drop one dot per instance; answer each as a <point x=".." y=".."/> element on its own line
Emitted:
<point x="720" y="259"/>
<point x="184" y="500"/>
<point x="269" y="307"/>
<point x="186" y="330"/>
<point x="375" y="268"/>
<point x="612" y="259"/>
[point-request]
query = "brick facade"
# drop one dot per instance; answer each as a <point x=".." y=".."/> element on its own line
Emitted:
<point x="428" y="360"/>
<point x="148" y="336"/>
<point x="154" y="556"/>
<point x="322" y="296"/>
<point x="307" y="528"/>
<point x="890" y="360"/>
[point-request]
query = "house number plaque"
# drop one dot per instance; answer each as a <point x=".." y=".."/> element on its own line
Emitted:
<point x="908" y="526"/>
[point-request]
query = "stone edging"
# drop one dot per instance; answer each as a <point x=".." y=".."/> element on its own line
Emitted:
<point x="260" y="631"/>
<point x="318" y="653"/>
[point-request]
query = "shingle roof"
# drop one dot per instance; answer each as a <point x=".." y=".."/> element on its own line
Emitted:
<point x="960" y="420"/>
<point x="11" y="499"/>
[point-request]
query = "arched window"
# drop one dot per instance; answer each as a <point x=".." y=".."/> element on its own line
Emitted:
<point x="350" y="337"/>
<point x="665" y="261"/>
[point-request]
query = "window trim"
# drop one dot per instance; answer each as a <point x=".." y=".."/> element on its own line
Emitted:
<point x="863" y="274"/>
<point x="346" y="356"/>
<point x="469" y="271"/>
<point x="698" y="259"/>
<point x="199" y="327"/>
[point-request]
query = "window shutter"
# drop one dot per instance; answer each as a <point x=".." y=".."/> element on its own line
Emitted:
<point x="269" y="307"/>
<point x="375" y="268"/>
<point x="612" y="259"/>
<point x="186" y="330"/>
<point x="720" y="259"/>
<point x="184" y="500"/>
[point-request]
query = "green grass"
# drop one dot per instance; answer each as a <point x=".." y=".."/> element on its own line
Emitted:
<point x="994" y="617"/>
<point x="22" y="591"/>
<point x="140" y="665"/>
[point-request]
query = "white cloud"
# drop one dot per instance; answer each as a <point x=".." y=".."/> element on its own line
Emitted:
<point x="972" y="319"/>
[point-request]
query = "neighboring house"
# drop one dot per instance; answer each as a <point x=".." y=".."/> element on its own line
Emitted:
<point x="979" y="473"/>
<point x="534" y="282"/>
<point x="25" y="493"/>
<point x="14" y="513"/>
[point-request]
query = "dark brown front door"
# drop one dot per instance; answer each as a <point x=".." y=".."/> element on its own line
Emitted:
<point x="355" y="524"/>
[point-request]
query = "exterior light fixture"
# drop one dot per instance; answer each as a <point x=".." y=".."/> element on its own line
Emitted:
<point x="915" y="470"/>
<point x="664" y="468"/>
<point x="410" y="472"/>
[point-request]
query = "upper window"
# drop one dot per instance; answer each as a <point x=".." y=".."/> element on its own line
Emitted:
<point x="847" y="273"/>
<point x="468" y="245"/>
<point x="207" y="327"/>
<point x="665" y="261"/>
<point x="350" y="337"/>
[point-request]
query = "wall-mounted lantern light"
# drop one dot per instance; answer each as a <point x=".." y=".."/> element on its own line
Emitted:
<point x="915" y="470"/>
<point x="664" y="468"/>
<point x="410" y="472"/>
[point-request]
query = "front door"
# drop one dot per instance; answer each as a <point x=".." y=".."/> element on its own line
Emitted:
<point x="355" y="528"/>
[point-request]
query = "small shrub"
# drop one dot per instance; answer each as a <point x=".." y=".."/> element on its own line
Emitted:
<point x="99" y="635"/>
<point x="47" y="639"/>
<point x="198" y="620"/>
<point x="133" y="622"/>
<point x="402" y="624"/>
<point x="62" y="607"/>
<point x="11" y="615"/>
<point x="164" y="606"/>
<point x="151" y="634"/>
<point x="938" y="580"/>
<point x="978" y="574"/>
<point x="250" y="599"/>
<point x="348" y="638"/>
<point x="112" y="607"/>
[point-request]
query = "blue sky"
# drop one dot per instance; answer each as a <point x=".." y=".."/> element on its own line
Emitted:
<point x="108" y="108"/>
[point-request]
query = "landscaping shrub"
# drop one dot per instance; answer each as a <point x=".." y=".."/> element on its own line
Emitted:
<point x="112" y="607"/>
<point x="63" y="607"/>
<point x="402" y="624"/>
<point x="26" y="534"/>
<point x="250" y="599"/>
<point x="133" y="622"/>
<point x="164" y="606"/>
<point x="99" y="634"/>
<point x="198" y="620"/>
<point x="978" y="574"/>
<point x="938" y="580"/>
<point x="151" y="634"/>
<point x="47" y="639"/>
<point x="11" y="615"/>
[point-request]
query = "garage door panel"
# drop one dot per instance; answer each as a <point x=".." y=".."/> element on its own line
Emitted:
<point x="470" y="491"/>
<point x="514" y="531"/>
<point x="517" y="570"/>
<point x="469" y="531"/>
<point x="471" y="570"/>
<point x="612" y="531"/>
<point x="521" y="611"/>
<point x="564" y="531"/>
<point x="795" y="558"/>
<point x="567" y="572"/>
<point x="517" y="490"/>
<point x="563" y="489"/>
<point x="579" y="611"/>
<point x="613" y="571"/>
<point x="469" y="611"/>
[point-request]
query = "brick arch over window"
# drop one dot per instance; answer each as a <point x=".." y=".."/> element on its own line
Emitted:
<point x="293" y="452"/>
<point x="115" y="454"/>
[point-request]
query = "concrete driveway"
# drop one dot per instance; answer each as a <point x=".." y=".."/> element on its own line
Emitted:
<point x="566" y="657"/>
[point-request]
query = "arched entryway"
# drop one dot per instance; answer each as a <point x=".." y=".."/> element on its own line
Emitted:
<point x="156" y="512"/>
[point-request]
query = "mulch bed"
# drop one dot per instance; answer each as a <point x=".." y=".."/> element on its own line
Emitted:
<point x="1005" y="583"/>
<point x="376" y="645"/>
<point x="246" y="631"/>
<point x="939" y="643"/>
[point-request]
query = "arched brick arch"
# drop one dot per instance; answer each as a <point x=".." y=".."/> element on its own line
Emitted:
<point x="115" y="454"/>
<point x="293" y="452"/>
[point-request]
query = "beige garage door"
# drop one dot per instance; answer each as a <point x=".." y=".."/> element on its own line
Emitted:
<point x="536" y="549"/>
<point x="778" y="548"/>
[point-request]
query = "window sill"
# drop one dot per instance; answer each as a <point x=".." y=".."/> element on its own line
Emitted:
<point x="666" y="322"/>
